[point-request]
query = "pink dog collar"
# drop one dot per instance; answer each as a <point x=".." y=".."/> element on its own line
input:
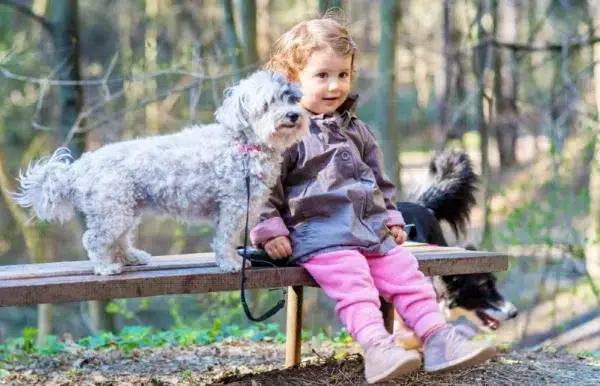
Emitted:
<point x="243" y="148"/>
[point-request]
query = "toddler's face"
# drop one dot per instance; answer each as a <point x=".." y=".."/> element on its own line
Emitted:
<point x="325" y="81"/>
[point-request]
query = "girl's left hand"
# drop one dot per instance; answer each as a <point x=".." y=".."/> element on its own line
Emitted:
<point x="399" y="234"/>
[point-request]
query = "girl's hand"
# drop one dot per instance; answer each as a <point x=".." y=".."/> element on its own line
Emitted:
<point x="399" y="234"/>
<point x="278" y="247"/>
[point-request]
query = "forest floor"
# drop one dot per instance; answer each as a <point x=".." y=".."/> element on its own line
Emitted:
<point x="248" y="363"/>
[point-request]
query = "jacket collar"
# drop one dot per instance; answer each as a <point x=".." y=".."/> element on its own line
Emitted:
<point x="342" y="115"/>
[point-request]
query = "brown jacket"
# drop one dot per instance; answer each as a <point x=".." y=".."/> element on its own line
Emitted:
<point x="332" y="193"/>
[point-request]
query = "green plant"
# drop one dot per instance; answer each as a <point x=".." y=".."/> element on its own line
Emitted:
<point x="134" y="337"/>
<point x="588" y="355"/>
<point x="343" y="337"/>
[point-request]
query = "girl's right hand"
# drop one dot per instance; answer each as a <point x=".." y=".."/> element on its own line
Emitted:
<point x="278" y="247"/>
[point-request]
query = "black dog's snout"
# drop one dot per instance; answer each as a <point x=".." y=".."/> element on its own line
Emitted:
<point x="293" y="117"/>
<point x="513" y="313"/>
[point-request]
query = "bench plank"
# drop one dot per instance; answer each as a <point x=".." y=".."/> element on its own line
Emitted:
<point x="194" y="273"/>
<point x="73" y="268"/>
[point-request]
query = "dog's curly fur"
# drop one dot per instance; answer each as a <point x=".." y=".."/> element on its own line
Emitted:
<point x="198" y="173"/>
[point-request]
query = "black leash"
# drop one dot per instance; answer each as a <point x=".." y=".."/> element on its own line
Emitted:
<point x="245" y="258"/>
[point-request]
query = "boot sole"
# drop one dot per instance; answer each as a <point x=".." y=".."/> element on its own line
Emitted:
<point x="478" y="357"/>
<point x="405" y="367"/>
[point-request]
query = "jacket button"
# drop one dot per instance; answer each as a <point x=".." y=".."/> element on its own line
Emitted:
<point x="345" y="155"/>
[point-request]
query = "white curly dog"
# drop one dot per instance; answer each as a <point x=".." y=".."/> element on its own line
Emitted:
<point x="198" y="173"/>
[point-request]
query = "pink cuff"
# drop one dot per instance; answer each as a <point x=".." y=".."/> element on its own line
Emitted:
<point x="395" y="218"/>
<point x="267" y="230"/>
<point x="429" y="323"/>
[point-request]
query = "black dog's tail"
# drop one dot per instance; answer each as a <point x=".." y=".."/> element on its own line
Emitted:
<point x="450" y="191"/>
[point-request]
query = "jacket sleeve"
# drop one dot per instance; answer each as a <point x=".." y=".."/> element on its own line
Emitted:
<point x="373" y="157"/>
<point x="270" y="223"/>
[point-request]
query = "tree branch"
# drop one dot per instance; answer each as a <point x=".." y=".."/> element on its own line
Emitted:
<point x="573" y="44"/>
<point x="103" y="82"/>
<point x="85" y="114"/>
<point x="25" y="10"/>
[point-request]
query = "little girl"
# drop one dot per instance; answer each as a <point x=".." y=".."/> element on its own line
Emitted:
<point x="333" y="212"/>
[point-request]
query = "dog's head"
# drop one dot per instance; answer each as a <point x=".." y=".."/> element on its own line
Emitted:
<point x="478" y="293"/>
<point x="264" y="108"/>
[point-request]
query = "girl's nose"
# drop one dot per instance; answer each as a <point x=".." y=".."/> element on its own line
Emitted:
<point x="333" y="85"/>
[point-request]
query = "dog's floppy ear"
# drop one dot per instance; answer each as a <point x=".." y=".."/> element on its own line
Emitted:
<point x="263" y="88"/>
<point x="233" y="113"/>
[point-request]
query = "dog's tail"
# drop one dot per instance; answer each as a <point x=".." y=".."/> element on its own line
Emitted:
<point x="450" y="192"/>
<point x="45" y="188"/>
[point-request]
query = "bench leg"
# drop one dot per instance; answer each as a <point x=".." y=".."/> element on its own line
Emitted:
<point x="387" y="309"/>
<point x="293" y="330"/>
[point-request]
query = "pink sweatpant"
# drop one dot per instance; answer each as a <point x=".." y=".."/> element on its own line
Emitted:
<point x="355" y="281"/>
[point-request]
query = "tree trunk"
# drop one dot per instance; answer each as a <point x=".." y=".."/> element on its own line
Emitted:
<point x="531" y="32"/>
<point x="592" y="247"/>
<point x="385" y="110"/>
<point x="66" y="39"/>
<point x="248" y="29"/>
<point x="233" y="45"/>
<point x="444" y="84"/>
<point x="126" y="57"/>
<point x="150" y="53"/>
<point x="459" y="125"/>
<point x="513" y="81"/>
<point x="65" y="36"/>
<point x="505" y="124"/>
<point x="481" y="60"/>
<point x="264" y="17"/>
<point x="498" y="125"/>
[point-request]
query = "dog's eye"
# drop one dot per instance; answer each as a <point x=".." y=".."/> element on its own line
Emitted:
<point x="290" y="97"/>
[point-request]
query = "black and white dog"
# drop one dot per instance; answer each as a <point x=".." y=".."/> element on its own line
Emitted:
<point x="448" y="194"/>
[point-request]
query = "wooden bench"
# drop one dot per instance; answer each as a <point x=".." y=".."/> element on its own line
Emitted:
<point x="60" y="282"/>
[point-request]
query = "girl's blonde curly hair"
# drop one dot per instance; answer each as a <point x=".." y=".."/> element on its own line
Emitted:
<point x="294" y="47"/>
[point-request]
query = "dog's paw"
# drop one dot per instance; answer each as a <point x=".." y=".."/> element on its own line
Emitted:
<point x="137" y="257"/>
<point x="108" y="269"/>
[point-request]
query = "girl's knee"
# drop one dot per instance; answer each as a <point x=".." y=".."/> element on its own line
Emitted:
<point x="402" y="259"/>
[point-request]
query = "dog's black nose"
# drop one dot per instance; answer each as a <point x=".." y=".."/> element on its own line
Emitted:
<point x="293" y="117"/>
<point x="513" y="313"/>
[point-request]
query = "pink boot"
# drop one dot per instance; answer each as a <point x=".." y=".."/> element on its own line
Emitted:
<point x="385" y="360"/>
<point x="451" y="347"/>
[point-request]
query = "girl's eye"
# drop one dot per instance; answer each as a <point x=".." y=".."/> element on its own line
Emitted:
<point x="322" y="75"/>
<point x="344" y="75"/>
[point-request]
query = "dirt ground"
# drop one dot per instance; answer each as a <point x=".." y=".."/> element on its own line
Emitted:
<point x="245" y="363"/>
